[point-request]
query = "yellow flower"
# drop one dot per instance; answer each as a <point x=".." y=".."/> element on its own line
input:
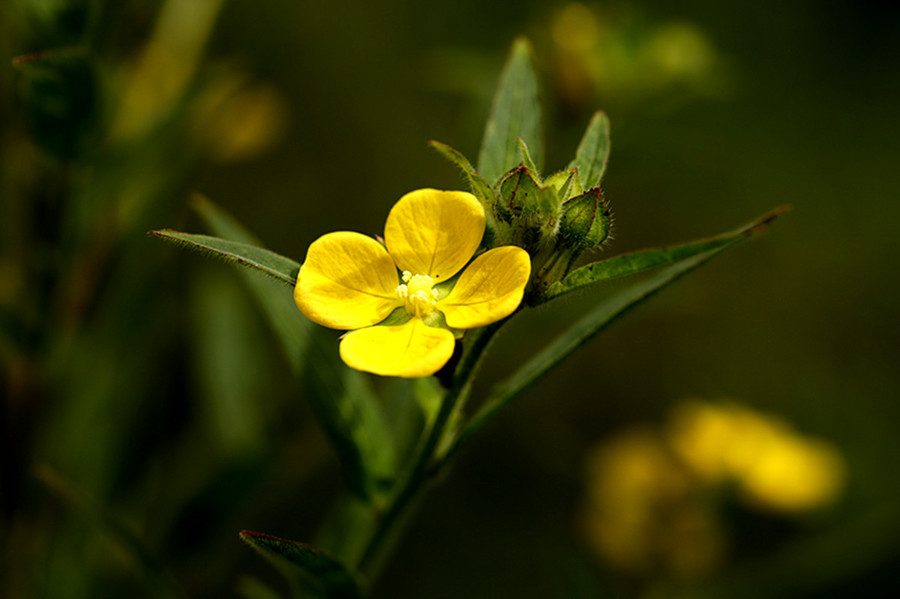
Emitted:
<point x="352" y="282"/>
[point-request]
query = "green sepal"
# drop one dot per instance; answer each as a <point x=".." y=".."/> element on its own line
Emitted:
<point x="304" y="564"/>
<point x="593" y="151"/>
<point x="399" y="316"/>
<point x="516" y="113"/>
<point x="531" y="212"/>
<point x="527" y="160"/>
<point x="584" y="221"/>
<point x="268" y="262"/>
<point x="635" y="262"/>
<point x="567" y="184"/>
<point x="520" y="194"/>
<point x="437" y="320"/>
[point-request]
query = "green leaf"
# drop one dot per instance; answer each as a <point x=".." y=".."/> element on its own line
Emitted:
<point x="252" y="588"/>
<point x="290" y="326"/>
<point x="643" y="260"/>
<point x="229" y="357"/>
<point x="516" y="113"/>
<point x="302" y="563"/>
<point x="134" y="549"/>
<point x="593" y="151"/>
<point x="344" y="403"/>
<point x="275" y="265"/>
<point x="351" y="416"/>
<point x="479" y="187"/>
<point x="589" y="325"/>
<point x="58" y="90"/>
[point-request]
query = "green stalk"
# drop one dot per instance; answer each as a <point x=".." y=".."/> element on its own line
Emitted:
<point x="421" y="470"/>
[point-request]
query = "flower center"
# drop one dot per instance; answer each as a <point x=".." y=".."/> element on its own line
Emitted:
<point x="419" y="294"/>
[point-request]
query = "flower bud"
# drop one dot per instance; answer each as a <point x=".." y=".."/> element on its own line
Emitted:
<point x="584" y="221"/>
<point x="531" y="211"/>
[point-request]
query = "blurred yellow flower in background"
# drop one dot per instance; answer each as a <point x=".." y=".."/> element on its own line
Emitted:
<point x="655" y="495"/>
<point x="236" y="119"/>
<point x="615" y="56"/>
<point x="643" y="512"/>
<point x="772" y="464"/>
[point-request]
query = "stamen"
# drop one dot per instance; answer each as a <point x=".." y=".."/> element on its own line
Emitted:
<point x="418" y="293"/>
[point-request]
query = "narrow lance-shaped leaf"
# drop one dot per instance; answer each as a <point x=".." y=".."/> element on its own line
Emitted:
<point x="636" y="262"/>
<point x="277" y="303"/>
<point x="586" y="328"/>
<point x="342" y="399"/>
<point x="516" y="112"/>
<point x="303" y="563"/>
<point x="593" y="151"/>
<point x="266" y="261"/>
<point x="230" y="356"/>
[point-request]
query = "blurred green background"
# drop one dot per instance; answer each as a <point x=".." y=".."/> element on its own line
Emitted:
<point x="147" y="415"/>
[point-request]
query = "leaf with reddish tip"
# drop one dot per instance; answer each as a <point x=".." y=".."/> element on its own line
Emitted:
<point x="305" y="564"/>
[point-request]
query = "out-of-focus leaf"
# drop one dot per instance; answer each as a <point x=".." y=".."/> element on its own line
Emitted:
<point x="429" y="395"/>
<point x="516" y="113"/>
<point x="58" y="91"/>
<point x="346" y="406"/>
<point x="266" y="261"/>
<point x="601" y="316"/>
<point x="153" y="572"/>
<point x="251" y="588"/>
<point x="593" y="151"/>
<point x="288" y="324"/>
<point x="642" y="260"/>
<point x="350" y="414"/>
<point x="302" y="563"/>
<point x="229" y="358"/>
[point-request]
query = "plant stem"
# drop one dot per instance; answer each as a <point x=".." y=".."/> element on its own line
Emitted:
<point x="420" y="472"/>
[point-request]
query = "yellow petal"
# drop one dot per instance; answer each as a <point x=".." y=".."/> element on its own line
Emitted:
<point x="409" y="350"/>
<point x="434" y="233"/>
<point x="489" y="289"/>
<point x="347" y="282"/>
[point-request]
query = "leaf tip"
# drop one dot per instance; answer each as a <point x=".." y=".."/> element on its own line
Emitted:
<point x="761" y="225"/>
<point x="521" y="44"/>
